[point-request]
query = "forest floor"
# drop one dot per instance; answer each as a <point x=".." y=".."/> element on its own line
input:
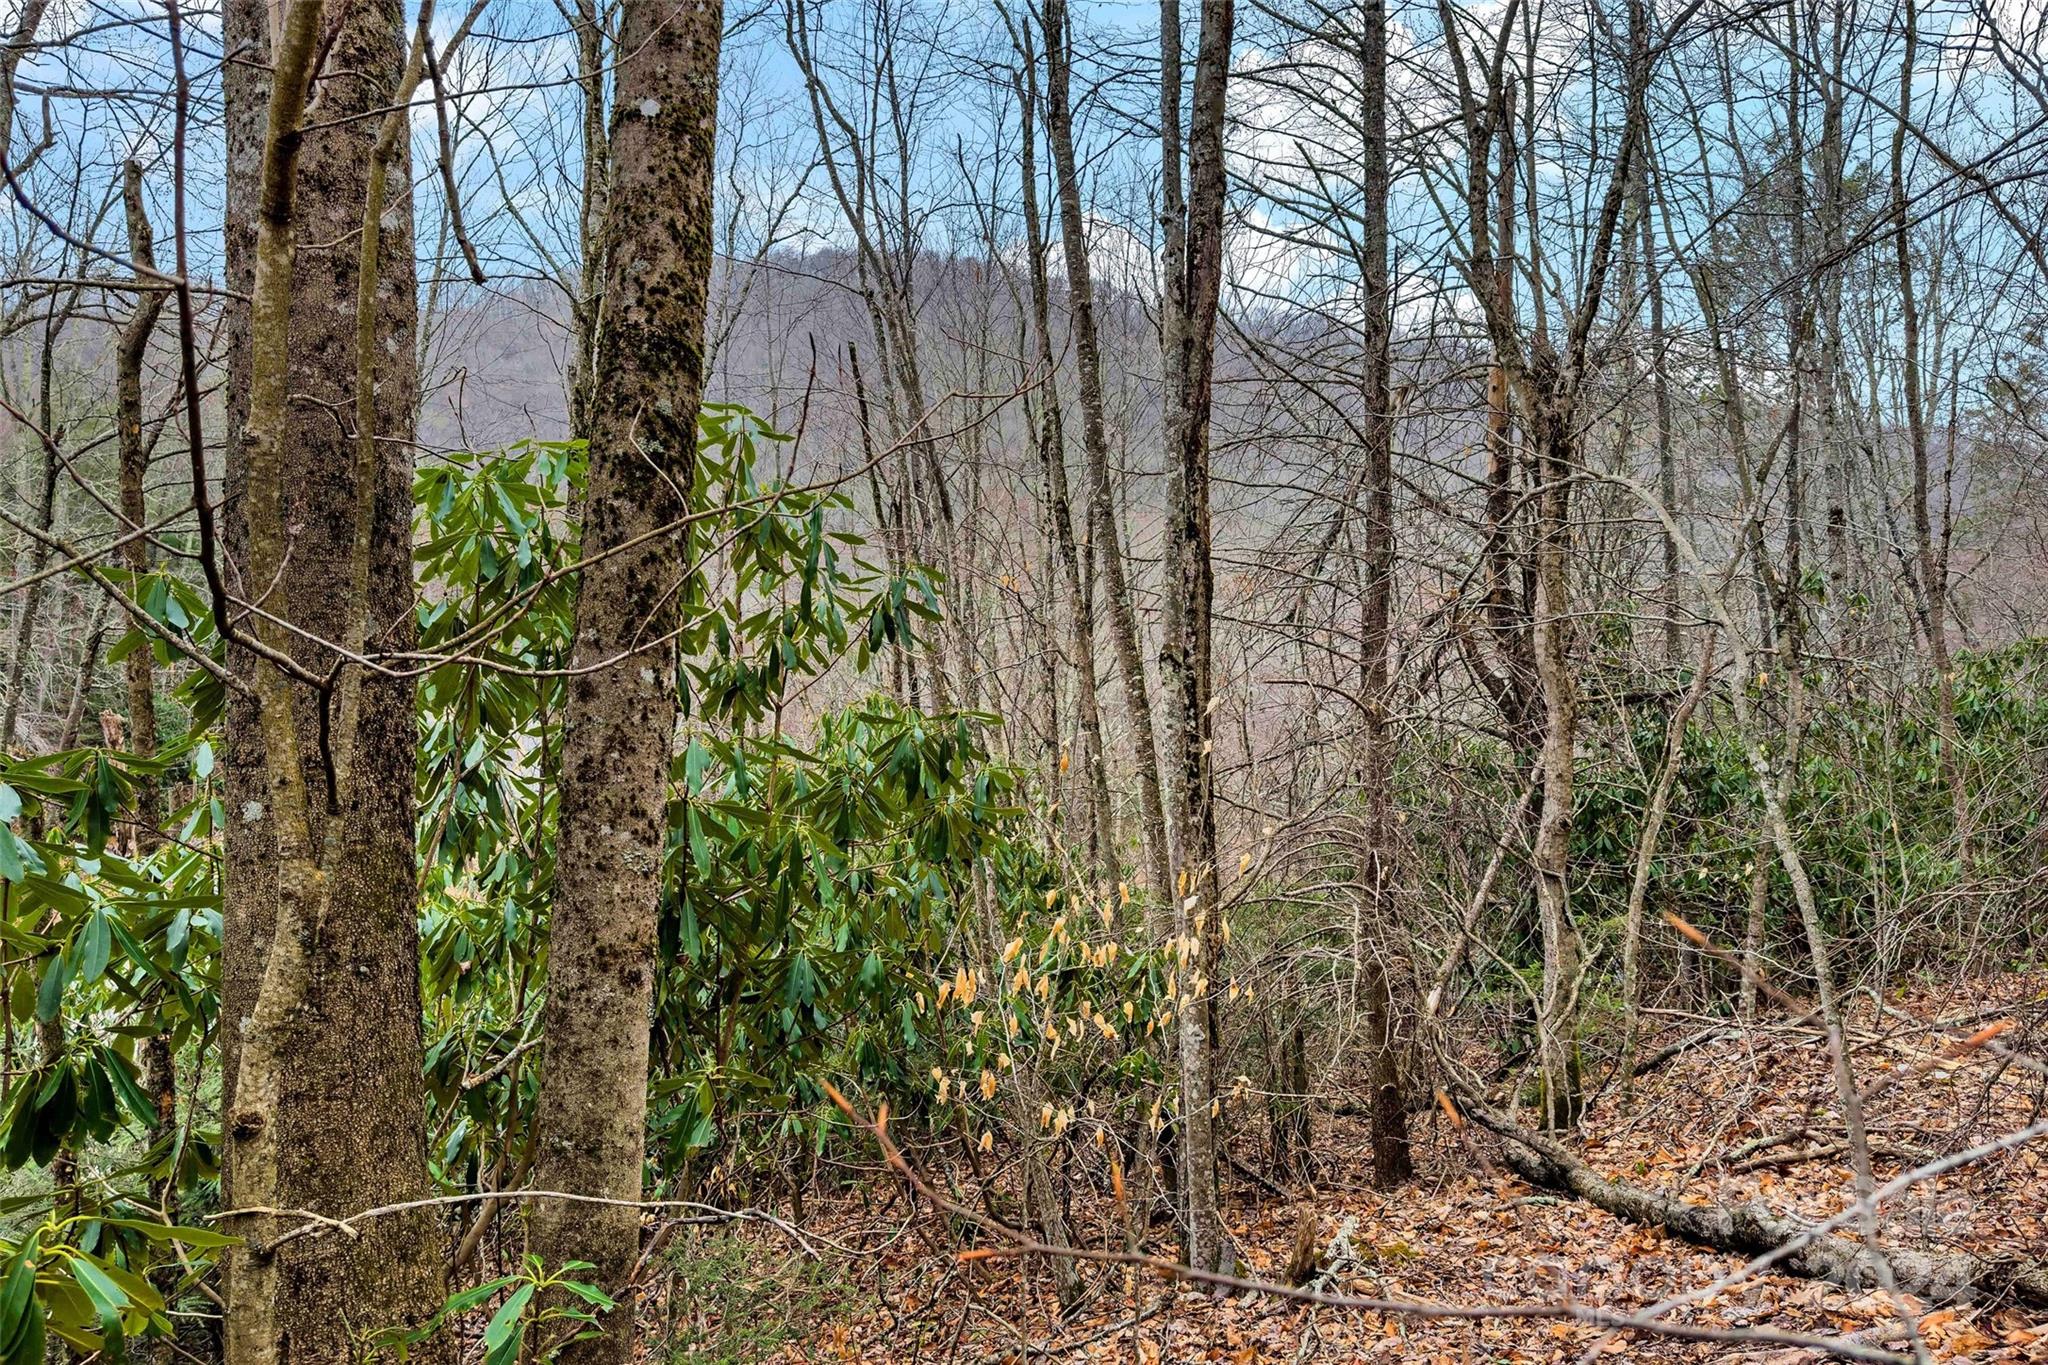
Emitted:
<point x="1463" y="1232"/>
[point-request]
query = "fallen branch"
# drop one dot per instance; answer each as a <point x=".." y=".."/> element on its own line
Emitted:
<point x="1672" y="1051"/>
<point x="1827" y="1151"/>
<point x="1796" y="1248"/>
<point x="1012" y="1241"/>
<point x="1758" y="1153"/>
<point x="1273" y="1187"/>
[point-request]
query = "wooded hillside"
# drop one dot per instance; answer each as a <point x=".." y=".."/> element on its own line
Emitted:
<point x="887" y="680"/>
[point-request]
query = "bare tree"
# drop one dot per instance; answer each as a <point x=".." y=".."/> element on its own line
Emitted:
<point x="1191" y="266"/>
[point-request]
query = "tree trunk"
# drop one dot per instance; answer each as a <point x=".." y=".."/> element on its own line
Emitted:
<point x="623" y="696"/>
<point x="324" y="1107"/>
<point x="1645" y="854"/>
<point x="1187" y="658"/>
<point x="1931" y="550"/>
<point x="1391" y="1160"/>
<point x="587" y="313"/>
<point x="1025" y="1095"/>
<point x="39" y="557"/>
<point x="64" y="1190"/>
<point x="1558" y="1012"/>
<point x="134" y="457"/>
<point x="1546" y="382"/>
<point x="1289" y="1108"/>
<point x="1834" y="464"/>
<point x="1507" y="615"/>
<point x="1052" y="457"/>
<point x="1102" y="515"/>
<point x="1660" y="399"/>
<point x="88" y="672"/>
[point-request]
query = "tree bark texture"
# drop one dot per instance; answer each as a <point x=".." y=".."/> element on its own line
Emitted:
<point x="320" y="982"/>
<point x="1391" y="1159"/>
<point x="1059" y="510"/>
<point x="129" y="354"/>
<point x="1187" y="660"/>
<point x="1103" y="530"/>
<point x="623" y="698"/>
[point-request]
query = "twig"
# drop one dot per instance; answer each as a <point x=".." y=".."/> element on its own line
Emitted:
<point x="1022" y="1243"/>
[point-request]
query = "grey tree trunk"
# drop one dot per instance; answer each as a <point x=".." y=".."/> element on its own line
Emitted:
<point x="1187" y="655"/>
<point x="1102" y="514"/>
<point x="1752" y="1229"/>
<point x="81" y="686"/>
<point x="39" y="557"/>
<point x="134" y="456"/>
<point x="623" y="699"/>
<point x="1507" y="604"/>
<point x="1544" y="380"/>
<point x="1660" y="398"/>
<point x="1645" y="853"/>
<point x="1052" y="456"/>
<point x="1557" y="1018"/>
<point x="1931" y="558"/>
<point x="587" y="314"/>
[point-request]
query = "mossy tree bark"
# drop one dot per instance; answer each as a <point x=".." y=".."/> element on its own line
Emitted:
<point x="622" y="699"/>
<point x="324" y="1107"/>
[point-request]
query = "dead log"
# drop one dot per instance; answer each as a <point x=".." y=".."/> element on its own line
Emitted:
<point x="1753" y="1229"/>
<point x="1671" y="1051"/>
